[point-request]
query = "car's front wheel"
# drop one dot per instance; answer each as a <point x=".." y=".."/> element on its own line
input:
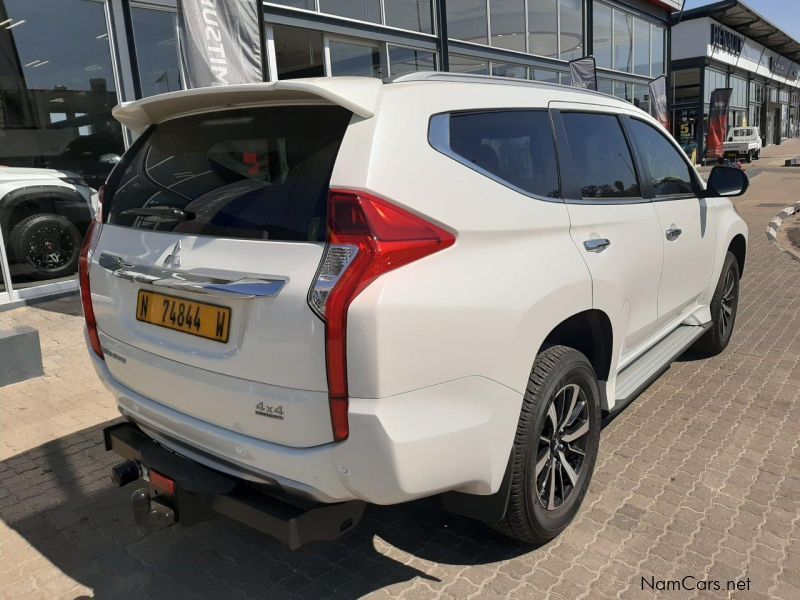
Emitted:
<point x="555" y="447"/>
<point x="724" y="306"/>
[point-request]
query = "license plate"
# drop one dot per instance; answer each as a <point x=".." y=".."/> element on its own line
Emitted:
<point x="196" y="318"/>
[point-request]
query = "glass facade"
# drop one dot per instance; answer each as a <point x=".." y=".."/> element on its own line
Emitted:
<point x="57" y="90"/>
<point x="56" y="95"/>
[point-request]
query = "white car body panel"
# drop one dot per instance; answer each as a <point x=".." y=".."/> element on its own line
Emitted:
<point x="439" y="352"/>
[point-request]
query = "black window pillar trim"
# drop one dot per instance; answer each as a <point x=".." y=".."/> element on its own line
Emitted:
<point x="441" y="35"/>
<point x="643" y="173"/>
<point x="569" y="189"/>
<point x="127" y="20"/>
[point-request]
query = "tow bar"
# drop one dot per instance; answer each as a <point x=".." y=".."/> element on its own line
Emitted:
<point x="180" y="490"/>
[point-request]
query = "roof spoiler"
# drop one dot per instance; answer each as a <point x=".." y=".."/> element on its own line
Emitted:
<point x="357" y="94"/>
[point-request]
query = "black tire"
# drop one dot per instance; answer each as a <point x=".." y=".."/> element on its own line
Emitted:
<point x="724" y="306"/>
<point x="758" y="154"/>
<point x="533" y="514"/>
<point x="49" y="245"/>
<point x="749" y="157"/>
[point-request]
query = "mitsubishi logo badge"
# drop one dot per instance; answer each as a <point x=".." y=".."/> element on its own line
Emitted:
<point x="173" y="260"/>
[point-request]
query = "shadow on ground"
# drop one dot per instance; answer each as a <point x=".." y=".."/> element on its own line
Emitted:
<point x="60" y="499"/>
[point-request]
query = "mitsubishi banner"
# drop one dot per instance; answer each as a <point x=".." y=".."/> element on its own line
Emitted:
<point x="220" y="42"/>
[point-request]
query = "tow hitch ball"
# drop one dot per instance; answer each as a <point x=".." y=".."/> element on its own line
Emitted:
<point x="147" y="510"/>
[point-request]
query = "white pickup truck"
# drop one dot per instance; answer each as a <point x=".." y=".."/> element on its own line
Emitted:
<point x="745" y="142"/>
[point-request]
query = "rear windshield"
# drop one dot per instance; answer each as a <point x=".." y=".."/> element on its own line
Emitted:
<point x="255" y="173"/>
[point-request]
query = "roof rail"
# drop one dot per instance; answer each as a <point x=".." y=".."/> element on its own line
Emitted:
<point x="492" y="79"/>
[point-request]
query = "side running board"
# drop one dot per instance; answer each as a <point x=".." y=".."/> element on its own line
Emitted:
<point x="635" y="378"/>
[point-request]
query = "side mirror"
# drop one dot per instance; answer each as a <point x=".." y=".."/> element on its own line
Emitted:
<point x="727" y="181"/>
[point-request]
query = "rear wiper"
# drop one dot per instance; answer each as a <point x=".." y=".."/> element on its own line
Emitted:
<point x="163" y="212"/>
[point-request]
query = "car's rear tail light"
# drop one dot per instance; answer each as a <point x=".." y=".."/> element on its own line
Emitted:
<point x="367" y="237"/>
<point x="89" y="242"/>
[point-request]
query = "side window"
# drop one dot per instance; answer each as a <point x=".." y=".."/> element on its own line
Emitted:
<point x="515" y="146"/>
<point x="668" y="172"/>
<point x="603" y="163"/>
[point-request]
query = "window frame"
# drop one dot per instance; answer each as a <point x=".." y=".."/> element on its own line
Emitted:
<point x="569" y="188"/>
<point x="645" y="186"/>
<point x="439" y="140"/>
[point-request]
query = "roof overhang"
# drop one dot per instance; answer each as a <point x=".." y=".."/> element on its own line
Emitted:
<point x="744" y="20"/>
<point x="670" y="5"/>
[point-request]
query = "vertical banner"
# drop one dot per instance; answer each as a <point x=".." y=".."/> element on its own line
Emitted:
<point x="658" y="101"/>
<point x="718" y="122"/>
<point x="220" y="42"/>
<point x="583" y="72"/>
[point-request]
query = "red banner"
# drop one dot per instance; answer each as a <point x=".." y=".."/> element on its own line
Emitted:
<point x="718" y="122"/>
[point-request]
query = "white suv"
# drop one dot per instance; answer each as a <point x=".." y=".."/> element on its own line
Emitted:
<point x="311" y="295"/>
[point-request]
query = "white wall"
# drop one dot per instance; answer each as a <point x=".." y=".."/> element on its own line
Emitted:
<point x="692" y="38"/>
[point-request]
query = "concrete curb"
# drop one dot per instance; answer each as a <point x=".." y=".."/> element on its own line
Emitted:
<point x="775" y="224"/>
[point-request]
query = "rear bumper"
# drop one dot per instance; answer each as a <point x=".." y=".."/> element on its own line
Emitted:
<point x="201" y="493"/>
<point x="452" y="436"/>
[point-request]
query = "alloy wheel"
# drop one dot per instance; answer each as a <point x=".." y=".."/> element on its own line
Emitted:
<point x="562" y="446"/>
<point x="51" y="247"/>
<point x="727" y="304"/>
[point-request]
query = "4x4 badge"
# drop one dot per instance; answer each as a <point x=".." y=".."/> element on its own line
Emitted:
<point x="173" y="260"/>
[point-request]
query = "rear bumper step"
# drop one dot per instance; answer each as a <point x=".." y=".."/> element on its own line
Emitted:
<point x="200" y="493"/>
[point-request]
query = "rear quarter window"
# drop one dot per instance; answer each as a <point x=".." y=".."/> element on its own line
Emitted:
<point x="258" y="173"/>
<point x="514" y="147"/>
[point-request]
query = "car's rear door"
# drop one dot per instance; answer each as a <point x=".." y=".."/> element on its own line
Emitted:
<point x="614" y="227"/>
<point x="214" y="229"/>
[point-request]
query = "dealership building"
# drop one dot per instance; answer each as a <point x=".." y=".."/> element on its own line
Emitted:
<point x="66" y="63"/>
<point x="728" y="45"/>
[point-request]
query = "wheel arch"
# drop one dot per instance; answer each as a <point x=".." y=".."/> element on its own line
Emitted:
<point x="590" y="332"/>
<point x="23" y="202"/>
<point x="738" y="246"/>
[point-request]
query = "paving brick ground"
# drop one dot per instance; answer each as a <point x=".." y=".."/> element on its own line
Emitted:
<point x="699" y="477"/>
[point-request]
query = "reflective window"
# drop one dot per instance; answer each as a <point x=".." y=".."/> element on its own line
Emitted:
<point x="657" y="50"/>
<point x="623" y="90"/>
<point x="602" y="35"/>
<point x="409" y="14"/>
<point x="466" y="64"/>
<point x="307" y="4"/>
<point x="571" y="33"/>
<point x="602" y="159"/>
<point x="641" y="96"/>
<point x="508" y="24"/>
<point x="156" y="50"/>
<point x="298" y="52"/>
<point x="363" y="10"/>
<point x="545" y="75"/>
<point x="467" y="20"/>
<point x="408" y="60"/>
<point x="258" y="173"/>
<point x="605" y="86"/>
<point x="686" y="86"/>
<point x="356" y="59"/>
<point x="739" y="91"/>
<point x="543" y="27"/>
<point x="514" y="146"/>
<point x="641" y="47"/>
<point x="666" y="169"/>
<point x="56" y="93"/>
<point x="714" y="80"/>
<point x="623" y="40"/>
<point x="509" y="70"/>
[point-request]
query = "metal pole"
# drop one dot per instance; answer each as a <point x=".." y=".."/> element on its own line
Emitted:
<point x="441" y="38"/>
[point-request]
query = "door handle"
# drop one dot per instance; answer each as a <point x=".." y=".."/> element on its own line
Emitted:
<point x="596" y="244"/>
<point x="673" y="233"/>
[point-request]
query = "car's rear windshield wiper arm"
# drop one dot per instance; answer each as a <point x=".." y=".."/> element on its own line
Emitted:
<point x="164" y="212"/>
